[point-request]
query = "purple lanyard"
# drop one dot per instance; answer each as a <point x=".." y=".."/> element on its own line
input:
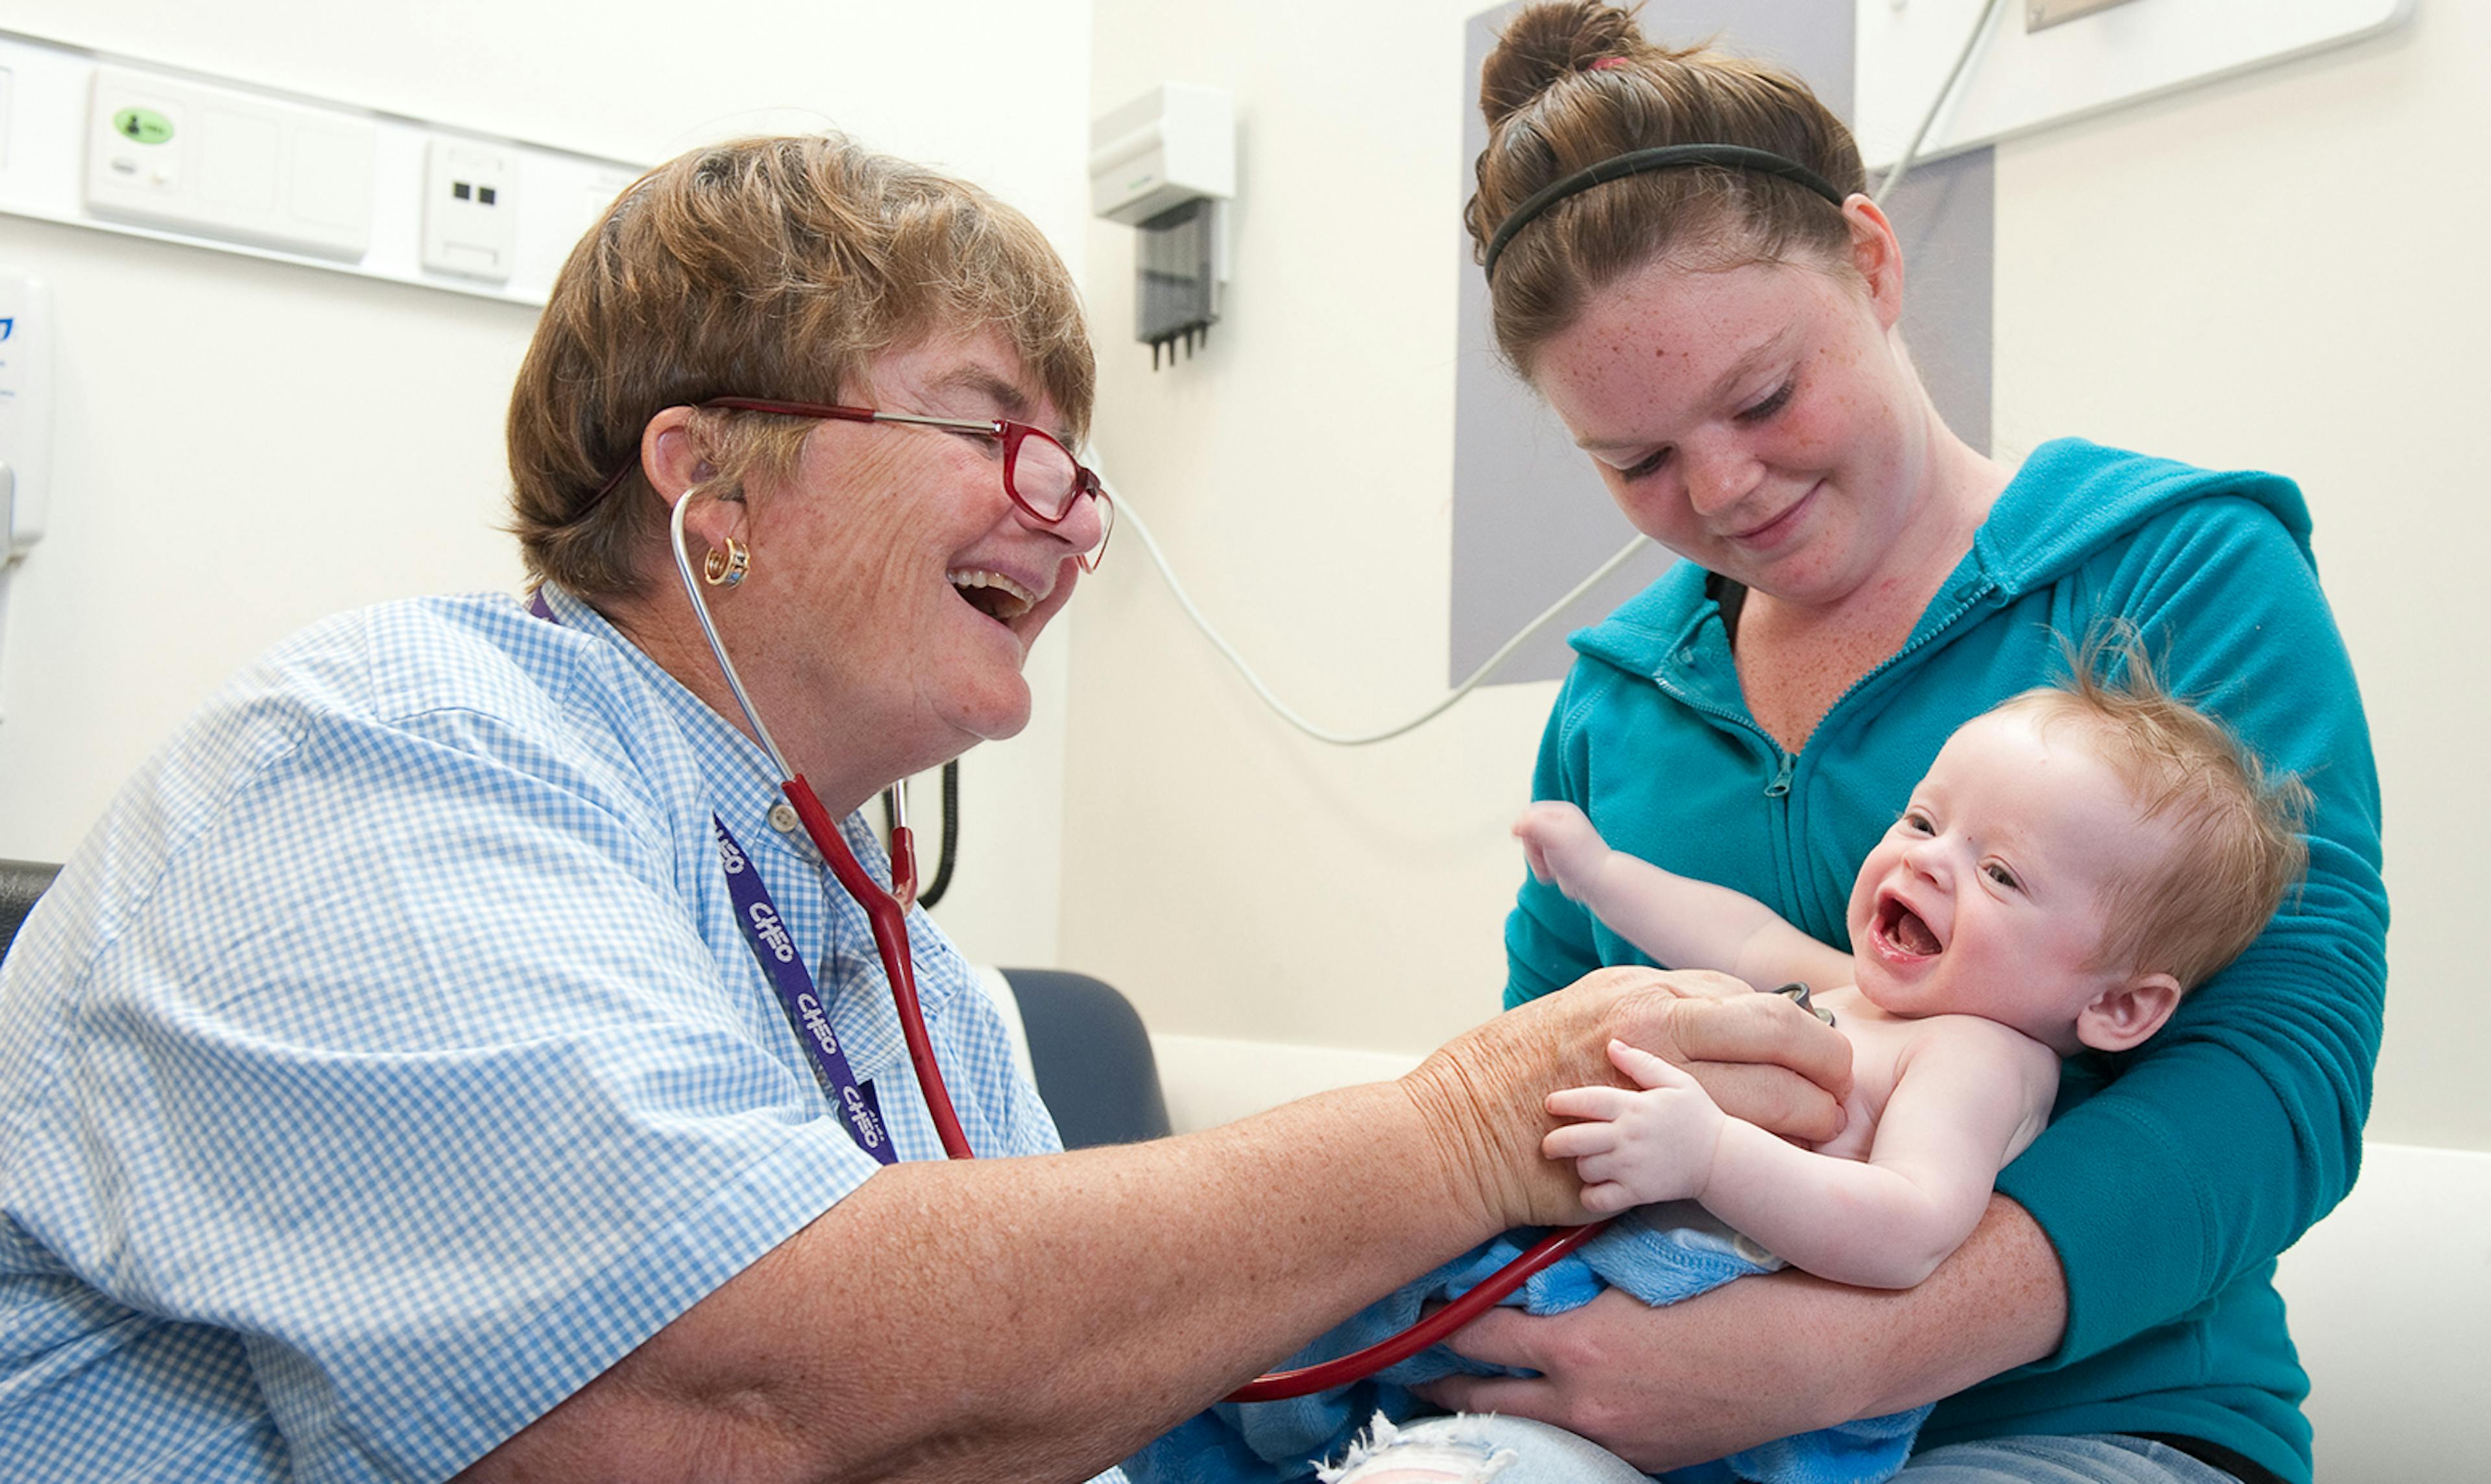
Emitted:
<point x="784" y="968"/>
<point x="765" y="933"/>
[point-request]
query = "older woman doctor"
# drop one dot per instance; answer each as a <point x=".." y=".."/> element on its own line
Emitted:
<point x="389" y="1087"/>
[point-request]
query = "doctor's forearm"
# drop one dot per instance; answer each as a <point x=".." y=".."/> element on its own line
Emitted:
<point x="1032" y="1319"/>
<point x="1039" y="1319"/>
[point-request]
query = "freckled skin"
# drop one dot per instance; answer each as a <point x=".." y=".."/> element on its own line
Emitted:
<point x="849" y="594"/>
<point x="1841" y="506"/>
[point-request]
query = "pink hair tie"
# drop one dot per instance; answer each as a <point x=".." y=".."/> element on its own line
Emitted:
<point x="1603" y="64"/>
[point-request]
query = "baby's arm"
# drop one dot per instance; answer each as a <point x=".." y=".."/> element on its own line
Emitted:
<point x="1969" y="1096"/>
<point x="1683" y="923"/>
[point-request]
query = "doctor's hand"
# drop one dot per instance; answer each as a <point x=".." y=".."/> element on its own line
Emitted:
<point x="1760" y="1057"/>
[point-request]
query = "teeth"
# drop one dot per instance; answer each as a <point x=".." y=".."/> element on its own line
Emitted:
<point x="1013" y="599"/>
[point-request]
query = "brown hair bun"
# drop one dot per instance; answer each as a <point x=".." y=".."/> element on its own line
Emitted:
<point x="1571" y="84"/>
<point x="1549" y="43"/>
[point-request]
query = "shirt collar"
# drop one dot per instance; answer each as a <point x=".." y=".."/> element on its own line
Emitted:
<point x="743" y="781"/>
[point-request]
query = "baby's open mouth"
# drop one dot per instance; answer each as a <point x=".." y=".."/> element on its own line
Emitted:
<point x="993" y="594"/>
<point x="1902" y="927"/>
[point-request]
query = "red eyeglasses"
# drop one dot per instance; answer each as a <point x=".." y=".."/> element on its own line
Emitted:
<point x="1041" y="476"/>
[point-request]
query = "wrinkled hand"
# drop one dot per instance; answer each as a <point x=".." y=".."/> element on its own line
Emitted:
<point x="1562" y="845"/>
<point x="1661" y="1389"/>
<point x="1760" y="1057"/>
<point x="1653" y="1143"/>
<point x="1772" y="1357"/>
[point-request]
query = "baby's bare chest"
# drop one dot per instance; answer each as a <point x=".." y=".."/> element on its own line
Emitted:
<point x="1880" y="1047"/>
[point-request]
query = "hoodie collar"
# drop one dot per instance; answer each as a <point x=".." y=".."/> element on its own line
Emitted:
<point x="2069" y="499"/>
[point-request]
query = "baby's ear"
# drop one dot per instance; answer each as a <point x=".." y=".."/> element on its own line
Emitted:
<point x="2128" y="1013"/>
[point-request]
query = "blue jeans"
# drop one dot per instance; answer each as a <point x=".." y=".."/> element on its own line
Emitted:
<point x="1515" y="1450"/>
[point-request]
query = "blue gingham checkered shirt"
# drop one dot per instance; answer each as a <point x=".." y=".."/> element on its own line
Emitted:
<point x="387" y="1063"/>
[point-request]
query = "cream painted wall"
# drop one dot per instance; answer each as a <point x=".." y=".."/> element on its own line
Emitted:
<point x="2272" y="271"/>
<point x="245" y="446"/>
<point x="2284" y="271"/>
<point x="1236" y="879"/>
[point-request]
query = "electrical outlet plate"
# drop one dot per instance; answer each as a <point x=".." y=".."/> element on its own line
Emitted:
<point x="470" y="216"/>
<point x="2041" y="15"/>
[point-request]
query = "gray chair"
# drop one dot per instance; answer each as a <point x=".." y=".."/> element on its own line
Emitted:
<point x="1092" y="1057"/>
<point x="20" y="883"/>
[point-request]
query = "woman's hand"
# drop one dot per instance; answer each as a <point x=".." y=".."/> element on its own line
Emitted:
<point x="1760" y="1057"/>
<point x="1768" y="1358"/>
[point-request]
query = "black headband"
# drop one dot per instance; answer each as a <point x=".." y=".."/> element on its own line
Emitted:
<point x="1668" y="157"/>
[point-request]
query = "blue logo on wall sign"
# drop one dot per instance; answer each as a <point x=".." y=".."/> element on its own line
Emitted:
<point x="7" y="326"/>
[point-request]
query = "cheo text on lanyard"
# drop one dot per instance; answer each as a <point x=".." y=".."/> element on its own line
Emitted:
<point x="766" y="932"/>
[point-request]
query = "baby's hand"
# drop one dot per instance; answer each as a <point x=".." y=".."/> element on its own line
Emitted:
<point x="1636" y="1148"/>
<point x="1561" y="845"/>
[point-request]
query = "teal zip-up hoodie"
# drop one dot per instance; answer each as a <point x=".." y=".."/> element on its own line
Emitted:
<point x="2170" y="1177"/>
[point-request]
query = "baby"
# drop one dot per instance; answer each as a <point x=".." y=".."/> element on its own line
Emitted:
<point x="2074" y="861"/>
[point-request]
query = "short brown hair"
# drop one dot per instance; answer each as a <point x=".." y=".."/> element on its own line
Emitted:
<point x="2236" y="837"/>
<point x="1571" y="84"/>
<point x="765" y="267"/>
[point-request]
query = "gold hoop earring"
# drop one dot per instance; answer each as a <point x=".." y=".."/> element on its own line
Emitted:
<point x="725" y="568"/>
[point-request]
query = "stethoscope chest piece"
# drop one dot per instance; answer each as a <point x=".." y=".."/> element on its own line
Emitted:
<point x="1796" y="993"/>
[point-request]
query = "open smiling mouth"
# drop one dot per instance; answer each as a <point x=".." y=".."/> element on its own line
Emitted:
<point x="993" y="595"/>
<point x="1901" y="929"/>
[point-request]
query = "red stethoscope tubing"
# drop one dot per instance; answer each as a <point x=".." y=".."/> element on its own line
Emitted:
<point x="886" y="911"/>
<point x="887" y="914"/>
<point x="1359" y="1364"/>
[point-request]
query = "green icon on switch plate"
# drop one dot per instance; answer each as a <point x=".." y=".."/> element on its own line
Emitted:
<point x="142" y="126"/>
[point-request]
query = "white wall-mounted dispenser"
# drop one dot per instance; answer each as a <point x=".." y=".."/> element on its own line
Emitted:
<point x="25" y="426"/>
<point x="1166" y="165"/>
<point x="25" y="411"/>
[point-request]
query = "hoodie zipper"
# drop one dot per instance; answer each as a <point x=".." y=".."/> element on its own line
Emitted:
<point x="1785" y="765"/>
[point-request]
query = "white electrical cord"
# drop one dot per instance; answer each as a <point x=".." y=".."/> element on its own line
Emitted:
<point x="1127" y="515"/>
<point x="1937" y="105"/>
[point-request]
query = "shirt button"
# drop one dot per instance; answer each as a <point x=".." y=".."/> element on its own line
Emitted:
<point x="783" y="817"/>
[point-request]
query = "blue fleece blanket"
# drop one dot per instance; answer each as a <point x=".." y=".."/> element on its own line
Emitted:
<point x="1278" y="1443"/>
